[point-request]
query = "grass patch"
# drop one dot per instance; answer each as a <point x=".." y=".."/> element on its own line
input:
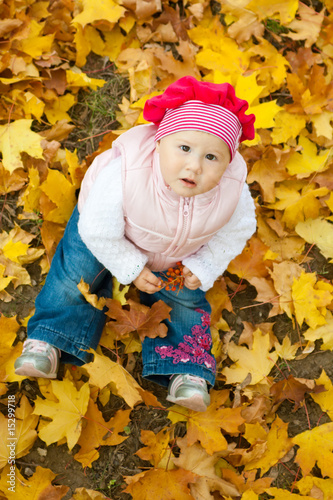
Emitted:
<point x="95" y="112"/>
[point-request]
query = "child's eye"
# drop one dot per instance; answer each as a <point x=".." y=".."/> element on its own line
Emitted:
<point x="210" y="157"/>
<point x="185" y="148"/>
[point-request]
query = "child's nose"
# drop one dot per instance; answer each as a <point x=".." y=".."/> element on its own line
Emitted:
<point x="195" y="165"/>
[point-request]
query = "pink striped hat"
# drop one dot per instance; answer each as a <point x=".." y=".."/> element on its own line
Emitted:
<point x="210" y="118"/>
<point x="189" y="104"/>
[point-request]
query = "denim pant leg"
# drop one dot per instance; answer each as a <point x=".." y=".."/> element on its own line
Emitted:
<point x="187" y="346"/>
<point x="63" y="317"/>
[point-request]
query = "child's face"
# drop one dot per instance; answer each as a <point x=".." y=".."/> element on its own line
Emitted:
<point x="192" y="162"/>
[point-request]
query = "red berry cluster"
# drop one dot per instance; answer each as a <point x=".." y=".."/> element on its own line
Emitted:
<point x="174" y="277"/>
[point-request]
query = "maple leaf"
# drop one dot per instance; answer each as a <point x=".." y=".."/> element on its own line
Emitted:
<point x="310" y="298"/>
<point x="119" y="291"/>
<point x="107" y="10"/>
<point x="266" y="293"/>
<point x="8" y="329"/>
<point x="159" y="483"/>
<point x="298" y="205"/>
<point x="58" y="109"/>
<point x="91" y="298"/>
<point x="282" y="494"/>
<point x="145" y="320"/>
<point x="261" y="172"/>
<point x="307" y="27"/>
<point x="195" y="459"/>
<point x="24" y="436"/>
<point x="96" y="432"/>
<point x="62" y="193"/>
<point x="322" y="124"/>
<point x="25" y="429"/>
<point x="316" y="446"/>
<point x="66" y="413"/>
<point x="287" y="350"/>
<point x="86" y="494"/>
<point x="283" y="246"/>
<point x="7" y="371"/>
<point x="246" y="25"/>
<point x="257" y="361"/>
<point x="37" y="486"/>
<point x="311" y="484"/>
<point x="219" y="52"/>
<point x="273" y="68"/>
<point x="283" y="275"/>
<point x="250" y="263"/>
<point x="284" y="11"/>
<point x="294" y="389"/>
<point x="287" y="125"/>
<point x="11" y="148"/>
<point x="246" y="481"/>
<point x="10" y="182"/>
<point x="29" y="198"/>
<point x="308" y="161"/>
<point x="76" y="79"/>
<point x="103" y="372"/>
<point x="51" y="234"/>
<point x="33" y="43"/>
<point x="278" y="445"/>
<point x="318" y="232"/>
<point x="325" y="399"/>
<point x="324" y="332"/>
<point x="156" y="446"/>
<point x="219" y="299"/>
<point x="206" y="426"/>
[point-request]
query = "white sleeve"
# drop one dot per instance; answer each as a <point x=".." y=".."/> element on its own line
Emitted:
<point x="212" y="259"/>
<point x="102" y="226"/>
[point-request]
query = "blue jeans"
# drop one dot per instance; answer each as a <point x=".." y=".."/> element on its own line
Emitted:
<point x="66" y="320"/>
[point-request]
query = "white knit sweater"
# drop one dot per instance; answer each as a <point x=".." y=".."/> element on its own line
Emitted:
<point x="102" y="228"/>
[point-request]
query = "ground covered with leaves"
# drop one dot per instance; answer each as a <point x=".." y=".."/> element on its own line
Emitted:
<point x="74" y="74"/>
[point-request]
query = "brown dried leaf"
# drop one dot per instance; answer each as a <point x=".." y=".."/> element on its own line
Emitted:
<point x="145" y="320"/>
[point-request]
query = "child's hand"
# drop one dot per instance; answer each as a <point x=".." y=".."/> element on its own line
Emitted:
<point x="191" y="280"/>
<point x="147" y="281"/>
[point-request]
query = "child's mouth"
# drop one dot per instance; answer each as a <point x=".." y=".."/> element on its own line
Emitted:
<point x="189" y="183"/>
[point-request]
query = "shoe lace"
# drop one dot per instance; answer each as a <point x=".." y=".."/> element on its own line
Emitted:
<point x="37" y="346"/>
<point x="196" y="380"/>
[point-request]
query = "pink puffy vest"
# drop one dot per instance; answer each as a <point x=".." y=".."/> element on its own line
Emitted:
<point x="165" y="226"/>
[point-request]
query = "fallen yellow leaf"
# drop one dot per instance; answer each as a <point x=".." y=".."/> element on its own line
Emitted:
<point x="11" y="148"/>
<point x="257" y="361"/>
<point x="310" y="298"/>
<point x="103" y="372"/>
<point x="66" y="414"/>
<point x="316" y="446"/>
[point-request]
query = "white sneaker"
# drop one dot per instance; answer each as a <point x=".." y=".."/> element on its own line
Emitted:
<point x="189" y="391"/>
<point x="38" y="359"/>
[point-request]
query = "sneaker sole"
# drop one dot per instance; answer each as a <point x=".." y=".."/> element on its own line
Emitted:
<point x="194" y="403"/>
<point x="29" y="370"/>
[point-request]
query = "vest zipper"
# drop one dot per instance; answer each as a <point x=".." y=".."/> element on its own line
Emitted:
<point x="186" y="212"/>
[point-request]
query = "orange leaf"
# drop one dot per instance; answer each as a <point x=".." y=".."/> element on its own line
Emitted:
<point x="91" y="298"/>
<point x="158" y="483"/>
<point x="156" y="446"/>
<point x="96" y="432"/>
<point x="206" y="426"/>
<point x="145" y="320"/>
<point x="250" y="263"/>
<point x="276" y="446"/>
<point x="293" y="389"/>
